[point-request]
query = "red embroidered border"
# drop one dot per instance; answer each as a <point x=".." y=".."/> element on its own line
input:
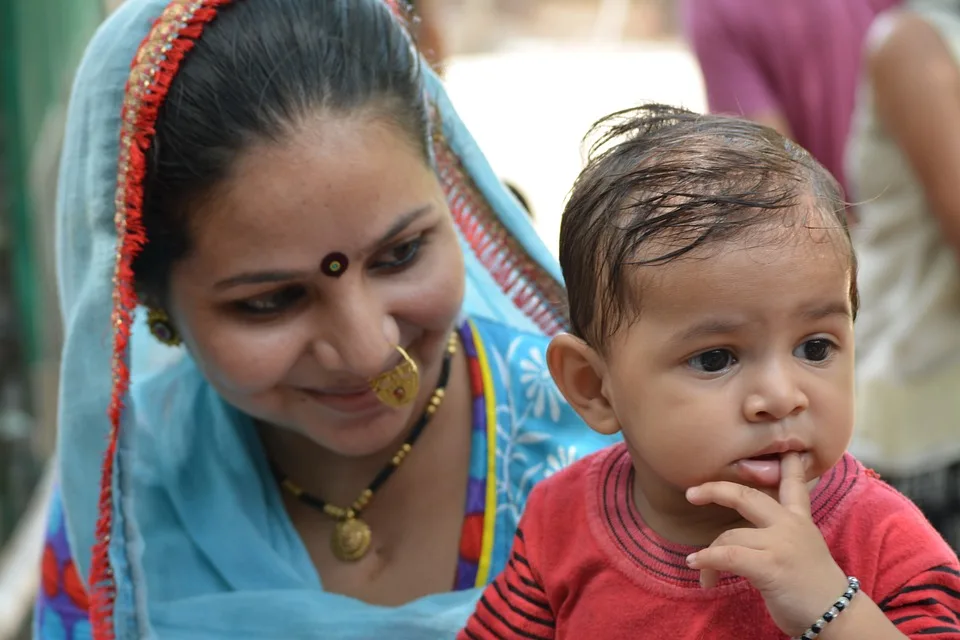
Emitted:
<point x="534" y="291"/>
<point x="153" y="69"/>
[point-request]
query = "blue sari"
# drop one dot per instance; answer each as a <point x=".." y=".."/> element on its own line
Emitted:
<point x="224" y="561"/>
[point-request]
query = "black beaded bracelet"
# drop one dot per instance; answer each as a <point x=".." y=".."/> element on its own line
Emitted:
<point x="853" y="587"/>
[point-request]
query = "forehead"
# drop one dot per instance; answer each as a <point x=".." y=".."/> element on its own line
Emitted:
<point x="769" y="272"/>
<point x="335" y="183"/>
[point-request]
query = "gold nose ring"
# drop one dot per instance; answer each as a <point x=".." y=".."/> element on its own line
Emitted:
<point x="398" y="386"/>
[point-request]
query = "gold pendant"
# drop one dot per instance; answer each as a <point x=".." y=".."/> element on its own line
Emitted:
<point x="399" y="386"/>
<point x="351" y="539"/>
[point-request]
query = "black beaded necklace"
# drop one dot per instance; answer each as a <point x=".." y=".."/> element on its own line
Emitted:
<point x="352" y="536"/>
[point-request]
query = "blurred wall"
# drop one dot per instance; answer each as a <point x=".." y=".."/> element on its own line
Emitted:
<point x="41" y="42"/>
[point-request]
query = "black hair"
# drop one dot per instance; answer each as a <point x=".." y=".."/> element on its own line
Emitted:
<point x="521" y="198"/>
<point x="261" y="69"/>
<point x="661" y="182"/>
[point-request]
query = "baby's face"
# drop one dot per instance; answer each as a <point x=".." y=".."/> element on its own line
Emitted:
<point x="742" y="351"/>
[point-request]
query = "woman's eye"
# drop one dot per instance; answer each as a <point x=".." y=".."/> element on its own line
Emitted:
<point x="816" y="350"/>
<point x="399" y="255"/>
<point x="713" y="361"/>
<point x="272" y="303"/>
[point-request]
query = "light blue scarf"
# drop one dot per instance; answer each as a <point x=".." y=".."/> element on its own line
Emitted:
<point x="269" y="589"/>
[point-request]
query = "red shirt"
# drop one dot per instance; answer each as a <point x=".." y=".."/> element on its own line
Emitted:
<point x="585" y="566"/>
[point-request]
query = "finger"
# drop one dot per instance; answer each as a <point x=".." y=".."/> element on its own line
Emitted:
<point x="709" y="578"/>
<point x="758" y="539"/>
<point x="746" y="563"/>
<point x="747" y="538"/>
<point x="794" y="493"/>
<point x="755" y="506"/>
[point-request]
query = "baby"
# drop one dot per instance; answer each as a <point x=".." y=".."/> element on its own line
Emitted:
<point x="712" y="289"/>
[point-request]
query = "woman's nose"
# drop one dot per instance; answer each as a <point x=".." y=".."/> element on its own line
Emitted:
<point x="357" y="337"/>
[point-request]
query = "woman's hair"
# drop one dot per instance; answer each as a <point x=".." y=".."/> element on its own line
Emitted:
<point x="661" y="182"/>
<point x="261" y="70"/>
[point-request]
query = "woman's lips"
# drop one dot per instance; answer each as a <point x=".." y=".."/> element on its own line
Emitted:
<point x="346" y="401"/>
<point x="354" y="399"/>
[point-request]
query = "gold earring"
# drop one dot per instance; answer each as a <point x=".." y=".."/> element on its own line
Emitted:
<point x="162" y="328"/>
<point x="398" y="386"/>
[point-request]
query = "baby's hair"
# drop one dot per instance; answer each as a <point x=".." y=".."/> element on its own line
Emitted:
<point x="661" y="182"/>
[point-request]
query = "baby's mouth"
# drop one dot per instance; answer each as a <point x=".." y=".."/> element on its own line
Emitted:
<point x="761" y="471"/>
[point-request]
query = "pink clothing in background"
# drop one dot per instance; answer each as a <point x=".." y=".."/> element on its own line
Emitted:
<point x="796" y="58"/>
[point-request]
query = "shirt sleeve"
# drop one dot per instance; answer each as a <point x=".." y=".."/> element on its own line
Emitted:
<point x="927" y="606"/>
<point x="514" y="604"/>
<point x="734" y="79"/>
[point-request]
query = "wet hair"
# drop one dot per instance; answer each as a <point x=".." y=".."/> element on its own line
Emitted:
<point x="662" y="182"/>
<point x="260" y="71"/>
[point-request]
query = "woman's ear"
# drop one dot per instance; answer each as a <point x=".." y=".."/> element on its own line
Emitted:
<point x="579" y="371"/>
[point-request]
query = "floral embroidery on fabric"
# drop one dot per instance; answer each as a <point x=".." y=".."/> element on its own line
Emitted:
<point x="538" y="385"/>
<point x="564" y="457"/>
<point x="530" y="411"/>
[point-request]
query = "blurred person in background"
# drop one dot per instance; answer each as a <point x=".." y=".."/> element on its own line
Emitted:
<point x="788" y="64"/>
<point x="903" y="163"/>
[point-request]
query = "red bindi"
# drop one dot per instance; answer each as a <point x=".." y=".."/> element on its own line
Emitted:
<point x="334" y="265"/>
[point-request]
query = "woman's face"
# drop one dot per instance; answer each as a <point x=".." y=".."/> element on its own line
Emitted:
<point x="276" y="334"/>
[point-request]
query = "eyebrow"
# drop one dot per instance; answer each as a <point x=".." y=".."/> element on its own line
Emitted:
<point x="721" y="326"/>
<point x="270" y="277"/>
<point x="259" y="277"/>
<point x="827" y="309"/>
<point x="709" y="327"/>
<point x="402" y="223"/>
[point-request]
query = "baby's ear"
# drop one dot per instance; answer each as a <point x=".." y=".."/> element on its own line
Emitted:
<point x="579" y="372"/>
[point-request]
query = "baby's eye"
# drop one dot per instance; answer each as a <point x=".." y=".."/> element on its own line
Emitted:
<point x="713" y="361"/>
<point x="816" y="350"/>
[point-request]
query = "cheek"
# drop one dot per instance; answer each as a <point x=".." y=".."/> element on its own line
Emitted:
<point x="834" y="412"/>
<point x="433" y="297"/>
<point x="676" y="426"/>
<point x="236" y="357"/>
<point x="241" y="359"/>
<point x="660" y="411"/>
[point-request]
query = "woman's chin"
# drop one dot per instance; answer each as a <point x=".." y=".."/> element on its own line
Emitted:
<point x="358" y="438"/>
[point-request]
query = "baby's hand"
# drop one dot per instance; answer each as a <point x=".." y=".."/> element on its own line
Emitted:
<point x="785" y="558"/>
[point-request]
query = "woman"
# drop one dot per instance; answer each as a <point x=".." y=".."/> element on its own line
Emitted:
<point x="903" y="162"/>
<point x="362" y="404"/>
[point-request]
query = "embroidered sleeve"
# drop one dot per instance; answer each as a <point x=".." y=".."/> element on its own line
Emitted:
<point x="514" y="605"/>
<point x="927" y="606"/>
